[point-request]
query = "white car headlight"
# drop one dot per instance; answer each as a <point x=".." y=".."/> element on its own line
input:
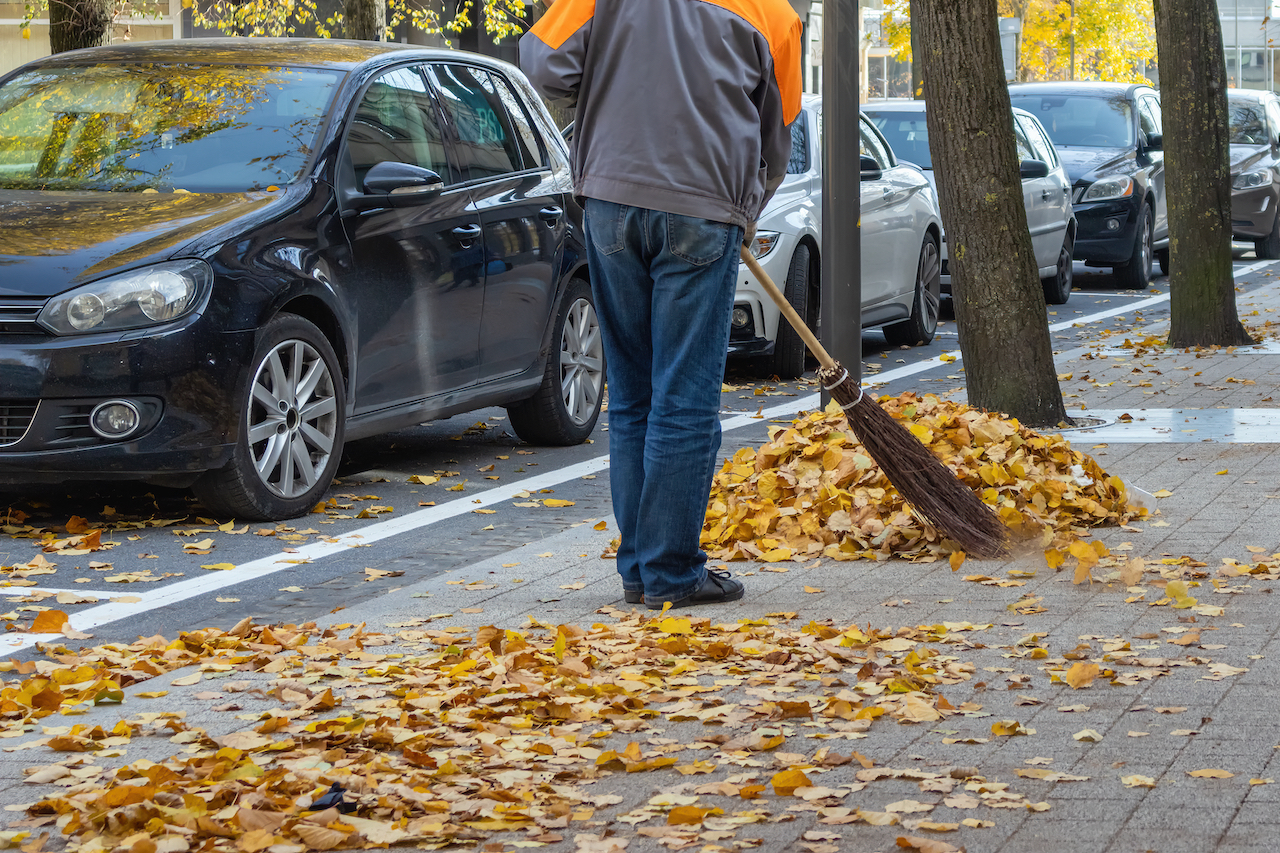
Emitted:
<point x="1109" y="188"/>
<point x="143" y="297"/>
<point x="1251" y="180"/>
<point x="764" y="243"/>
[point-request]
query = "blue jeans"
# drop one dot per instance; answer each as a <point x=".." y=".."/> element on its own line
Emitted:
<point x="663" y="287"/>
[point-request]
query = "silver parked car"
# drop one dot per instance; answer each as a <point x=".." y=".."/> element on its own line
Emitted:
<point x="901" y="250"/>
<point x="1046" y="188"/>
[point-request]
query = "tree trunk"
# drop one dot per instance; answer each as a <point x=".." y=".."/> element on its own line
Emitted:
<point x="365" y="19"/>
<point x="1193" y="93"/>
<point x="917" y="70"/>
<point x="995" y="285"/>
<point x="74" y="24"/>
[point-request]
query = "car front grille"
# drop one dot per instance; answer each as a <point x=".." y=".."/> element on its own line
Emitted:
<point x="18" y="315"/>
<point x="15" y="418"/>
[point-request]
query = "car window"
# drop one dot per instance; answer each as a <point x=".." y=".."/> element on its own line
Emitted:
<point x="1246" y="123"/>
<point x="1273" y="118"/>
<point x="1149" y="115"/>
<point x="1024" y="147"/>
<point x="1039" y="141"/>
<point x="396" y="121"/>
<point x="530" y="149"/>
<point x="799" y="162"/>
<point x="488" y="145"/>
<point x="907" y="134"/>
<point x="160" y="127"/>
<point x="871" y="146"/>
<point x="1087" y="121"/>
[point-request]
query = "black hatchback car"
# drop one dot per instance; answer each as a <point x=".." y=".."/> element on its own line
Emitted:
<point x="220" y="259"/>
<point x="1111" y="140"/>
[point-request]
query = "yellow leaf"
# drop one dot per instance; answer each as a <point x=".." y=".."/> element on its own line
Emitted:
<point x="1087" y="736"/>
<point x="1081" y="674"/>
<point x="1177" y="590"/>
<point x="153" y="694"/>
<point x="786" y="782"/>
<point x="1007" y="728"/>
<point x="1163" y="493"/>
<point x="220" y="567"/>
<point x="1138" y="781"/>
<point x="675" y="625"/>
<point x="603" y="525"/>
<point x="49" y="622"/>
<point x="556" y="502"/>
<point x="424" y="479"/>
<point x="1211" y="774"/>
<point x="1054" y="558"/>
<point x="187" y="680"/>
<point x="686" y="816"/>
<point x="812" y="589"/>
<point x="957" y="560"/>
<point x="1220" y="473"/>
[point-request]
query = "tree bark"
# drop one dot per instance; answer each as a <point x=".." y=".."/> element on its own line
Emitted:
<point x="365" y="19"/>
<point x="995" y="284"/>
<point x="1193" y="92"/>
<point x="74" y="24"/>
<point x="917" y="71"/>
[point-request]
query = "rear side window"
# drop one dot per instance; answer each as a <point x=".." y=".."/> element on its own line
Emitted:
<point x="1149" y="115"/>
<point x="396" y="121"/>
<point x="1024" y="147"/>
<point x="488" y="143"/>
<point x="799" y="162"/>
<point x="907" y="133"/>
<point x="1039" y="141"/>
<point x="871" y="146"/>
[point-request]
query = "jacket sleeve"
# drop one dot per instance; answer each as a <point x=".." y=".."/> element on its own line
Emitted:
<point x="779" y="108"/>
<point x="553" y="52"/>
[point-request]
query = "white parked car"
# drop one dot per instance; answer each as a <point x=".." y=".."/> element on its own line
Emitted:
<point x="901" y="259"/>
<point x="1046" y="187"/>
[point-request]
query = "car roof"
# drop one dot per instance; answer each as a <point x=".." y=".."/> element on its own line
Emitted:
<point x="337" y="54"/>
<point x="894" y="105"/>
<point x="1250" y="94"/>
<point x="1078" y="87"/>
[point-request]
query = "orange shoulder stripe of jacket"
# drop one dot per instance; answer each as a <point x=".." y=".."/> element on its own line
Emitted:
<point x="566" y="17"/>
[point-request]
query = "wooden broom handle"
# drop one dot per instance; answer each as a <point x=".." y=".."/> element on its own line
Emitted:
<point x="801" y="327"/>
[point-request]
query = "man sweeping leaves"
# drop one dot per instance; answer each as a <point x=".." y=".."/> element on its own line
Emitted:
<point x="681" y="136"/>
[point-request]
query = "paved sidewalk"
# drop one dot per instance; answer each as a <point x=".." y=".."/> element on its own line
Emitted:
<point x="1192" y="689"/>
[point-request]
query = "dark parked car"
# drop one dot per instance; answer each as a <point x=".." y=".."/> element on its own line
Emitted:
<point x="1255" y="169"/>
<point x="221" y="259"/>
<point x="1110" y="138"/>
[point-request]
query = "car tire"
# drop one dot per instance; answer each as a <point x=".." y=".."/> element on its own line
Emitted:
<point x="1136" y="274"/>
<point x="789" y="353"/>
<point x="292" y="425"/>
<point x="1268" y="248"/>
<point x="1162" y="257"/>
<point x="926" y="303"/>
<point x="566" y="406"/>
<point x="1057" y="288"/>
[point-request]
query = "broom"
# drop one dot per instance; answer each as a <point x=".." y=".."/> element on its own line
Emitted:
<point x="920" y="477"/>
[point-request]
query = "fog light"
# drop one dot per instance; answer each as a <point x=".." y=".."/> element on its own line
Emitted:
<point x="114" y="419"/>
<point x="740" y="318"/>
<point x="1113" y="224"/>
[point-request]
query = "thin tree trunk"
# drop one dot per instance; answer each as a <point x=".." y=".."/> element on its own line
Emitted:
<point x="1193" y="92"/>
<point x="995" y="285"/>
<point x="365" y="19"/>
<point x="74" y="24"/>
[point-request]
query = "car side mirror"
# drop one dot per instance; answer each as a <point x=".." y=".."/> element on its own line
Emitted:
<point x="1155" y="141"/>
<point x="1033" y="169"/>
<point x="401" y="180"/>
<point x="871" y="170"/>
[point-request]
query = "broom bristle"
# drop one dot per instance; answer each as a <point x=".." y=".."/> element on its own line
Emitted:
<point x="919" y="476"/>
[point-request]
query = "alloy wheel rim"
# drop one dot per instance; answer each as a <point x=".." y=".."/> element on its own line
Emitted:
<point x="293" y="419"/>
<point x="930" y="285"/>
<point x="581" y="362"/>
<point x="1065" y="272"/>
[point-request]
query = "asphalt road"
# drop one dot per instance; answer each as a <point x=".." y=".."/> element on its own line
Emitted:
<point x="383" y="531"/>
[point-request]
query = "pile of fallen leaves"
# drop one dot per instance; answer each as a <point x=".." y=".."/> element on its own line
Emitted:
<point x="453" y="735"/>
<point x="813" y="491"/>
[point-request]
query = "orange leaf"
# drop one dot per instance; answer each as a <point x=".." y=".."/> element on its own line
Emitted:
<point x="49" y="622"/>
<point x="786" y="782"/>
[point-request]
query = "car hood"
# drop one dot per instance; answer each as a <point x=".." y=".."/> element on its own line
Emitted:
<point x="52" y="241"/>
<point x="1092" y="163"/>
<point x="1244" y="156"/>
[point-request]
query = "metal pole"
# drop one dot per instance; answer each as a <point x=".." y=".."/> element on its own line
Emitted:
<point x="841" y="293"/>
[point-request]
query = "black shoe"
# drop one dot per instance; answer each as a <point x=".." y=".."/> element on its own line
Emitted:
<point x="633" y="596"/>
<point x="718" y="588"/>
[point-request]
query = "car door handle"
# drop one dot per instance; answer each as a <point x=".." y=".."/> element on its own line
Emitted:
<point x="551" y="214"/>
<point x="466" y="234"/>
<point x="1046" y="195"/>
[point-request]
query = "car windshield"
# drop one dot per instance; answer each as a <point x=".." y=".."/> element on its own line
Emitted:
<point x="1085" y="121"/>
<point x="1248" y="123"/>
<point x="907" y="135"/>
<point x="160" y="128"/>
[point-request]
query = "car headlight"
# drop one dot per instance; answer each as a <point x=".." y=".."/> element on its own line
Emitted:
<point x="143" y="297"/>
<point x="1251" y="180"/>
<point x="764" y="243"/>
<point x="1109" y="188"/>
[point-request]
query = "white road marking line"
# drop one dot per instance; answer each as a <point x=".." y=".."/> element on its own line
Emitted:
<point x="180" y="591"/>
